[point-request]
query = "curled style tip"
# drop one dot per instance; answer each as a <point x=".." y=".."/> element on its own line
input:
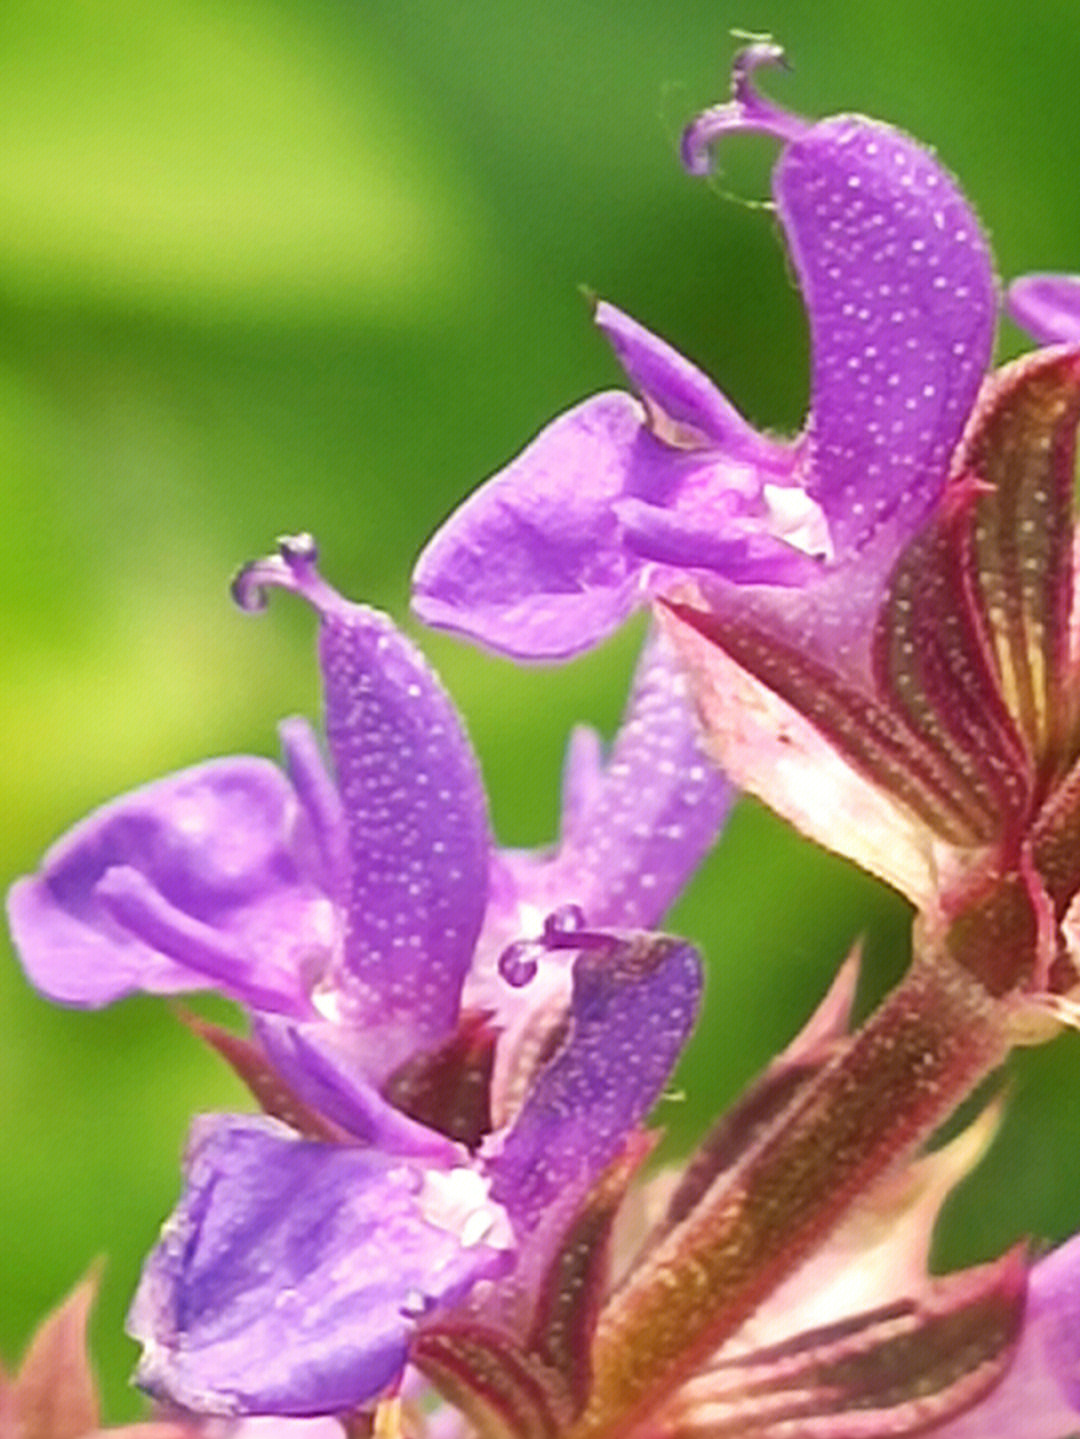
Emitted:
<point x="747" y="110"/>
<point x="293" y="568"/>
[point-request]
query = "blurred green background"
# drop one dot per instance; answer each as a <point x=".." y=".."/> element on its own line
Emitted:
<point x="269" y="266"/>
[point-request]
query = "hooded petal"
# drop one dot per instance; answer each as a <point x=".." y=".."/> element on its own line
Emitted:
<point x="636" y="822"/>
<point x="206" y="879"/>
<point x="414" y="814"/>
<point x="292" y="1273"/>
<point x="1047" y="306"/>
<point x="900" y="294"/>
<point x="657" y="809"/>
<point x="532" y="564"/>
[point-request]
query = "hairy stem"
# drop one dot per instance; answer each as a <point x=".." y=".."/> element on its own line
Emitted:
<point x="918" y="1055"/>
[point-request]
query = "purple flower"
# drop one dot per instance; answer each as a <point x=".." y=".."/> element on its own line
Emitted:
<point x="434" y="1122"/>
<point x="364" y="899"/>
<point x="621" y="500"/>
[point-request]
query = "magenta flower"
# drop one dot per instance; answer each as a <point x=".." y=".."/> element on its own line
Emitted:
<point x="623" y="499"/>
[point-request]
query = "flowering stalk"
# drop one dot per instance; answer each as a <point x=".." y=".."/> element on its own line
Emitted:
<point x="455" y="1046"/>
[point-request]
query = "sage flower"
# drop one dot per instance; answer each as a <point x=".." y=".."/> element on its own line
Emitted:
<point x="624" y="499"/>
<point x="359" y="913"/>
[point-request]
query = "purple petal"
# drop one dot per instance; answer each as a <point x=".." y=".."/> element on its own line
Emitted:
<point x="636" y="823"/>
<point x="685" y="395"/>
<point x="206" y="879"/>
<point x="899" y="288"/>
<point x="1047" y="306"/>
<point x="531" y="564"/>
<point x="738" y="547"/>
<point x="1039" y="1398"/>
<point x="634" y="1002"/>
<point x="330" y="1067"/>
<point x="317" y="792"/>
<point x="635" y="826"/>
<point x="657" y="809"/>
<point x="583" y="779"/>
<point x="290" y="1276"/>
<point x="414" y="811"/>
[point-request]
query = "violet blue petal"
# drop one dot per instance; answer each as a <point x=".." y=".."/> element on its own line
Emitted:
<point x="900" y="293"/>
<point x="291" y="1274"/>
<point x="582" y="781"/>
<point x="1047" y="306"/>
<point x="206" y="879"/>
<point x="414" y="810"/>
<point x="317" y="792"/>
<point x="634" y="1001"/>
<point x="635" y="826"/>
<point x="1039" y="1397"/>
<point x="636" y="822"/>
<point x="685" y="395"/>
<point x="532" y="564"/>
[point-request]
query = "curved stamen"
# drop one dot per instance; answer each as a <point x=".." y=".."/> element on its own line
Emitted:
<point x="747" y="110"/>
<point x="293" y="568"/>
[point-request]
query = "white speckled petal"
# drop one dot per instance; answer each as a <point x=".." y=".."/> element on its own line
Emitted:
<point x="413" y="807"/>
<point x="658" y="807"/>
<point x="899" y="288"/>
<point x="416" y="819"/>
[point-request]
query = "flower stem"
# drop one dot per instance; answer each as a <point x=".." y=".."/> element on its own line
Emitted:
<point x="931" y="1041"/>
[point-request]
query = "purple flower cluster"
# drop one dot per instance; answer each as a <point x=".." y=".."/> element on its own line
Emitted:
<point x="438" y="1224"/>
